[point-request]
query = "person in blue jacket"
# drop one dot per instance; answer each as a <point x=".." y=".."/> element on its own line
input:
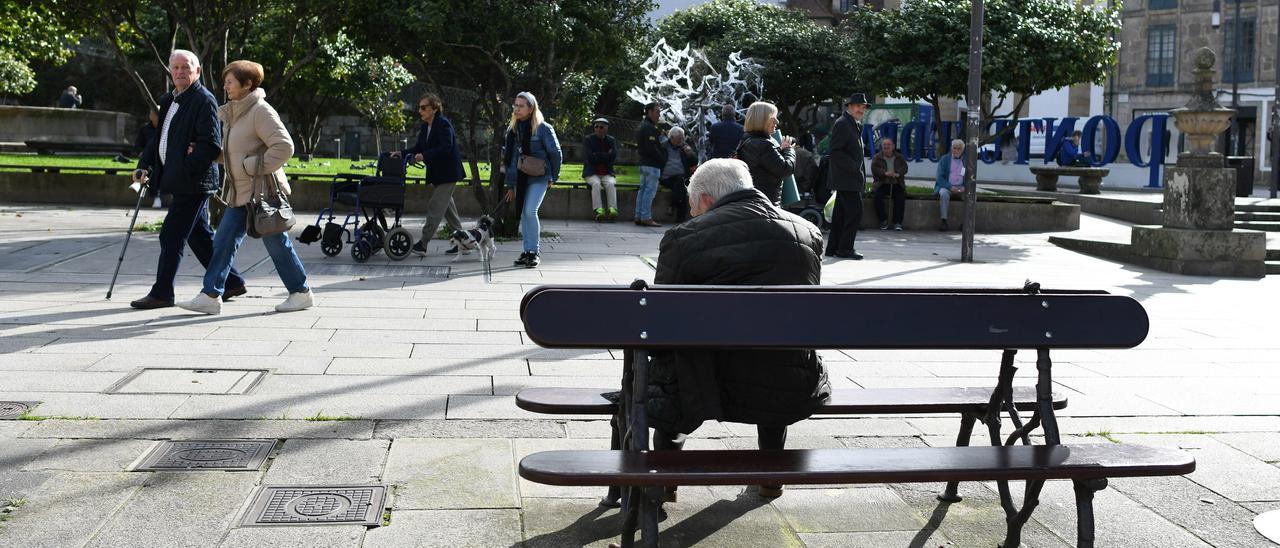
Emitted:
<point x="437" y="146"/>
<point x="949" y="179"/>
<point x="529" y="136"/>
<point x="1071" y="155"/>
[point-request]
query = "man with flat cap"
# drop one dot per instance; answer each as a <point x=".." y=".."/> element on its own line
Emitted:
<point x="847" y="178"/>
<point x="601" y="152"/>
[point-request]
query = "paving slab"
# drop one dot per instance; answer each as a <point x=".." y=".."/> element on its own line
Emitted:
<point x="48" y="362"/>
<point x="1205" y="514"/>
<point x="20" y="485"/>
<point x="1118" y="520"/>
<point x="374" y="385"/>
<point x="178" y="509"/>
<point x="427" y="365"/>
<point x="330" y="536"/>
<point x="863" y="509"/>
<point x="1220" y="467"/>
<point x="879" y="539"/>
<point x="328" y="462"/>
<point x="423" y="528"/>
<point x="17" y="453"/>
<point x="100" y="406"/>
<point x="393" y="429"/>
<point x="305" y="406"/>
<point x="291" y="365"/>
<point x="89" y="455"/>
<point x="69" y="509"/>
<point x="436" y="474"/>
<point x="1264" y="446"/>
<point x="201" y="429"/>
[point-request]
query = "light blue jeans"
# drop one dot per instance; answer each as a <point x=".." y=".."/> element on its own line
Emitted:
<point x="530" y="226"/>
<point x="649" y="177"/>
<point x="227" y="241"/>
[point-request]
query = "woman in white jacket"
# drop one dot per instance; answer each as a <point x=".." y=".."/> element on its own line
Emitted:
<point x="254" y="141"/>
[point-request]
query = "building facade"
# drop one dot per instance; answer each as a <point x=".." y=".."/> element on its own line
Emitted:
<point x="1154" y="70"/>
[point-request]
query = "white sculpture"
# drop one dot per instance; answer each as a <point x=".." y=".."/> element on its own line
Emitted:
<point x="691" y="90"/>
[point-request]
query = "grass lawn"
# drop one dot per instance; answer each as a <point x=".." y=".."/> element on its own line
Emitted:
<point x="317" y="166"/>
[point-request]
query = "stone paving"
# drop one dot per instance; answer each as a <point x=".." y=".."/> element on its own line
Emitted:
<point x="406" y="380"/>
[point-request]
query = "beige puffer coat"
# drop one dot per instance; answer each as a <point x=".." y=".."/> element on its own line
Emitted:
<point x="250" y="126"/>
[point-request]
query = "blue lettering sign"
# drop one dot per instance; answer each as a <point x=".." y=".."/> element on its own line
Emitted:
<point x="1133" y="136"/>
<point x="1089" y="141"/>
<point x="1054" y="139"/>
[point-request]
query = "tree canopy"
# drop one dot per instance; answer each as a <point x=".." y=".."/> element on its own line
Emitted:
<point x="1029" y="46"/>
<point x="804" y="63"/>
<point x="20" y="46"/>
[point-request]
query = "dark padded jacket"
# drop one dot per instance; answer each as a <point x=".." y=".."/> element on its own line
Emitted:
<point x="195" y="124"/>
<point x="598" y="152"/>
<point x="768" y="162"/>
<point x="742" y="240"/>
<point x="649" y="145"/>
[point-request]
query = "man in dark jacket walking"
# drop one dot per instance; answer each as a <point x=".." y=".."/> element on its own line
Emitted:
<point x="652" y="158"/>
<point x="737" y="237"/>
<point x="726" y="133"/>
<point x="180" y="160"/>
<point x="847" y="178"/>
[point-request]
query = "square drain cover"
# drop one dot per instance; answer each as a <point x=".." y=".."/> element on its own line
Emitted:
<point x="163" y="380"/>
<point x="312" y="505"/>
<point x="15" y="409"/>
<point x="194" y="455"/>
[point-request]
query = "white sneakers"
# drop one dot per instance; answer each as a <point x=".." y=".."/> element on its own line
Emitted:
<point x="296" y="301"/>
<point x="203" y="304"/>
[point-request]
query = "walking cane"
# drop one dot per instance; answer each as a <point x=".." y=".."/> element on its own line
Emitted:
<point x="142" y="193"/>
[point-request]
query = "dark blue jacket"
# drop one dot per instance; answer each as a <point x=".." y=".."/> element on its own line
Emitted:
<point x="599" y="152"/>
<point x="439" y="151"/>
<point x="1070" y="155"/>
<point x="195" y="123"/>
<point x="725" y="136"/>
<point x="543" y="144"/>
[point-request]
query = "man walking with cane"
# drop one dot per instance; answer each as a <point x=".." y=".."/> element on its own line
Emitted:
<point x="180" y="160"/>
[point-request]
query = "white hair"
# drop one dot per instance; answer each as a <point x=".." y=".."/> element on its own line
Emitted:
<point x="675" y="131"/>
<point x="719" y="178"/>
<point x="191" y="57"/>
<point x="955" y="142"/>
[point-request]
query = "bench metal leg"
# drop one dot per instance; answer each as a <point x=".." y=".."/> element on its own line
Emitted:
<point x="967" y="421"/>
<point x="612" y="499"/>
<point x="1002" y="393"/>
<point x="1031" y="499"/>
<point x="1084" y="509"/>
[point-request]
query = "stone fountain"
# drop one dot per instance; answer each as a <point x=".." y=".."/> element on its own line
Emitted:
<point x="1198" y="235"/>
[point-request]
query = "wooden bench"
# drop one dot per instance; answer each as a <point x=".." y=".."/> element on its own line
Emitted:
<point x="644" y="318"/>
<point x="48" y="148"/>
<point x="1089" y="178"/>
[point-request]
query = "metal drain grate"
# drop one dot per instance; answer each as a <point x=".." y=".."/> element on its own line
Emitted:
<point x="196" y="455"/>
<point x="375" y="270"/>
<point x="14" y="409"/>
<point x="172" y="380"/>
<point x="304" y="505"/>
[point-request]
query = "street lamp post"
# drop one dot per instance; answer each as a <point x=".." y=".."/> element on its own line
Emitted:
<point x="974" y="101"/>
<point x="1235" y="81"/>
<point x="1274" y="143"/>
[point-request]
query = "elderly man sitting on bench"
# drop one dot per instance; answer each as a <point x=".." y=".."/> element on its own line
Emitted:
<point x="737" y="237"/>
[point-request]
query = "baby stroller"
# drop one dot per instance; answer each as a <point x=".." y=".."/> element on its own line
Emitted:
<point x="369" y="198"/>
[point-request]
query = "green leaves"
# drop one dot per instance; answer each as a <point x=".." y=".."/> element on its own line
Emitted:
<point x="29" y="32"/>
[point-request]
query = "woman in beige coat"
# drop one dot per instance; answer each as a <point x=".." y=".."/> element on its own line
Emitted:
<point x="254" y="141"/>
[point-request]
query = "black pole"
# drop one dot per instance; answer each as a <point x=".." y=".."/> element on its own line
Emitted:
<point x="971" y="132"/>
<point x="1275" y="128"/>
<point x="1235" y="82"/>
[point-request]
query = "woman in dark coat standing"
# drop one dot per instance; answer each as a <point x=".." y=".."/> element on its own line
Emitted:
<point x="769" y="161"/>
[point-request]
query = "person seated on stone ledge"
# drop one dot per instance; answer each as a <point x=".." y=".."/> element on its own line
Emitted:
<point x="950" y="180"/>
<point x="736" y="237"/>
<point x="889" y="173"/>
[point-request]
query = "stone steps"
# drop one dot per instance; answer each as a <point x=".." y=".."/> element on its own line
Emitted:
<point x="1265" y="226"/>
<point x="1257" y="216"/>
<point x="1273" y="267"/>
<point x="1273" y="255"/>
<point x="1256" y="208"/>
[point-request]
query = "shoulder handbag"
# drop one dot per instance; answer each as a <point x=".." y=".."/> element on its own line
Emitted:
<point x="268" y="211"/>
<point x="530" y="165"/>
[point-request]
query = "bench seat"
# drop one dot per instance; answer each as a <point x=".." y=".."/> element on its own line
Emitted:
<point x="844" y="401"/>
<point x="1089" y="178"/>
<point x="831" y="466"/>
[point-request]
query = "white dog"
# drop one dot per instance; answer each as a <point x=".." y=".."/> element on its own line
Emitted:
<point x="480" y="237"/>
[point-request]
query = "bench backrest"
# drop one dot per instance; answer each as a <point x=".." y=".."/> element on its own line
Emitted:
<point x="828" y="317"/>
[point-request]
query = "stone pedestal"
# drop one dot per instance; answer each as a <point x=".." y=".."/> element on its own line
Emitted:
<point x="1240" y="253"/>
<point x="1199" y="197"/>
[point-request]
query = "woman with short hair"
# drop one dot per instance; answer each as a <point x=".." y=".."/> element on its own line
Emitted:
<point x="950" y="179"/>
<point x="254" y="142"/>
<point x="437" y="147"/>
<point x="770" y="161"/>
<point x="529" y="136"/>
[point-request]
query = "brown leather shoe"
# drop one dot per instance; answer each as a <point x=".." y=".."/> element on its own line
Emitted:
<point x="648" y="222"/>
<point x="233" y="293"/>
<point x="149" y="302"/>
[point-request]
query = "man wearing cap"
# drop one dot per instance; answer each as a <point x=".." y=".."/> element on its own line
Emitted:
<point x="601" y="151"/>
<point x="847" y="178"/>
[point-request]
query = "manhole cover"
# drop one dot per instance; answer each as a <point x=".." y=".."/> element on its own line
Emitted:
<point x="377" y="270"/>
<point x="195" y="455"/>
<point x="302" y="505"/>
<point x="14" y="409"/>
<point x="165" y="380"/>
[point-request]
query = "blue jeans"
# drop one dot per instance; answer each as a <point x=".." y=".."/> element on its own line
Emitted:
<point x="648" y="191"/>
<point x="227" y="241"/>
<point x="530" y="226"/>
<point x="186" y="224"/>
